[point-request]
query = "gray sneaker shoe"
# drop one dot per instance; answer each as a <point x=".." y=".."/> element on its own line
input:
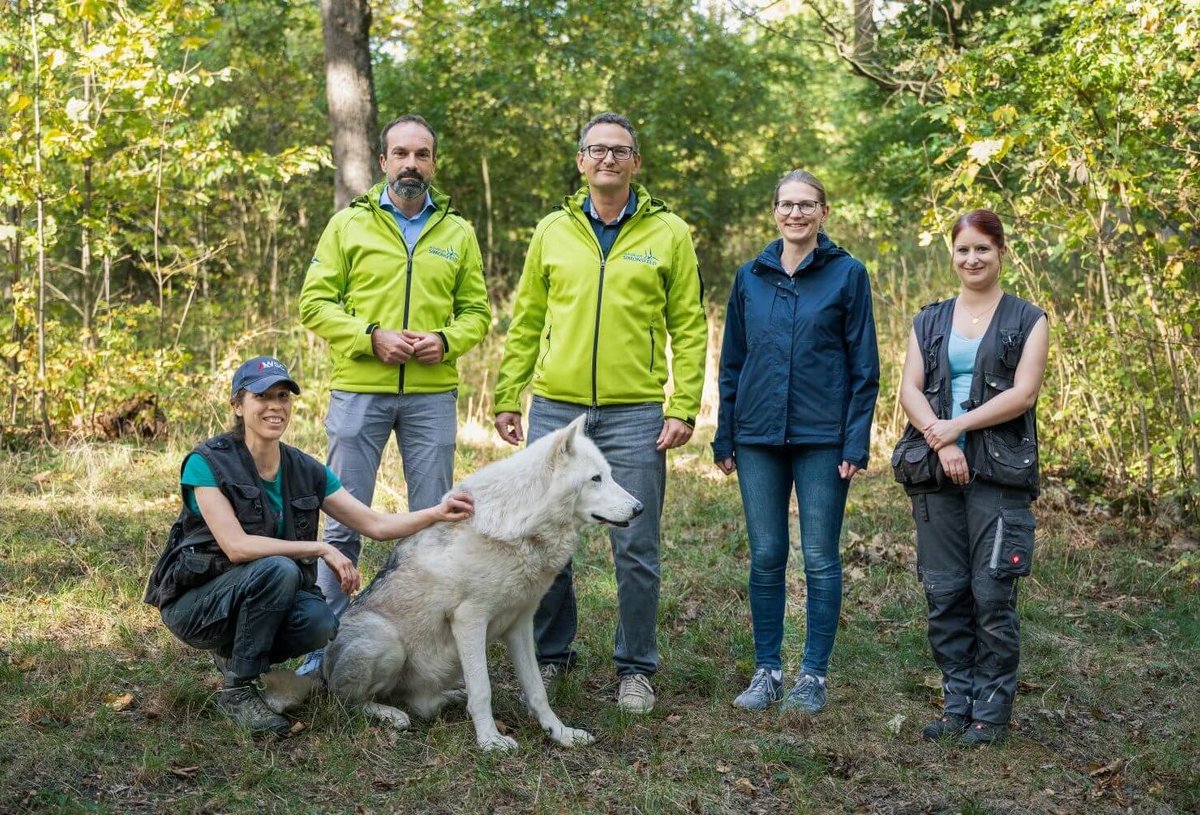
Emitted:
<point x="806" y="696"/>
<point x="312" y="664"/>
<point x="635" y="694"/>
<point x="245" y="705"/>
<point x="552" y="676"/>
<point x="764" y="691"/>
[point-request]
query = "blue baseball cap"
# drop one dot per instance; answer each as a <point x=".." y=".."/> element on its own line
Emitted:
<point x="260" y="373"/>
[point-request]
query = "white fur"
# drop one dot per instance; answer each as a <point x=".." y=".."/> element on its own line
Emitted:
<point x="447" y="591"/>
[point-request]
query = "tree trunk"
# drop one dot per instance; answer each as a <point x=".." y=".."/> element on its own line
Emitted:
<point x="865" y="31"/>
<point x="350" y="94"/>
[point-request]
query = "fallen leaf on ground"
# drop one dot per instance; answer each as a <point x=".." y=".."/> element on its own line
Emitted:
<point x="1114" y="766"/>
<point x="744" y="786"/>
<point x="297" y="727"/>
<point x="122" y="703"/>
<point x="723" y="768"/>
<point x="184" y="772"/>
<point x="894" y="724"/>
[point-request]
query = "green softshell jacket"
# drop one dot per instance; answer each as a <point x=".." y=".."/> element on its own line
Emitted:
<point x="593" y="331"/>
<point x="362" y="275"/>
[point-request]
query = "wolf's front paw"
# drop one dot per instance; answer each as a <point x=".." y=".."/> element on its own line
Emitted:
<point x="387" y="715"/>
<point x="497" y="742"/>
<point x="571" y="736"/>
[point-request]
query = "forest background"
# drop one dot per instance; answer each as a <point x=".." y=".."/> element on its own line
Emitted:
<point x="167" y="171"/>
<point x="166" y="168"/>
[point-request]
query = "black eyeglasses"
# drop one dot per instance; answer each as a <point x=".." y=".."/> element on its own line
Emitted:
<point x="620" y="152"/>
<point x="784" y="208"/>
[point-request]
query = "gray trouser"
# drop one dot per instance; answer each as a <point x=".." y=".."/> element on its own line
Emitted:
<point x="626" y="434"/>
<point x="974" y="628"/>
<point x="359" y="425"/>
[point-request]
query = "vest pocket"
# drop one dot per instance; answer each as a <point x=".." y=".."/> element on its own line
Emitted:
<point x="247" y="501"/>
<point x="1012" y="547"/>
<point x="1012" y="459"/>
<point x="304" y="516"/>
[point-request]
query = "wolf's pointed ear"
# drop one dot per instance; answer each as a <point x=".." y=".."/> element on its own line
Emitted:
<point x="564" y="446"/>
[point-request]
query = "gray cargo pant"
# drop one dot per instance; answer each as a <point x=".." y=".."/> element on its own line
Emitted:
<point x="359" y="425"/>
<point x="970" y="541"/>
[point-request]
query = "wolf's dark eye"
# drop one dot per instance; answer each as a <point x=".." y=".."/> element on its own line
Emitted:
<point x="596" y="478"/>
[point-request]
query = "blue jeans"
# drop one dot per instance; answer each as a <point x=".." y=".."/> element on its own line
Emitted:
<point x="359" y="425"/>
<point x="766" y="475"/>
<point x="626" y="434"/>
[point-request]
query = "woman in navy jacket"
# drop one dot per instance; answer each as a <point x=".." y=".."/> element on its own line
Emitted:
<point x="798" y="382"/>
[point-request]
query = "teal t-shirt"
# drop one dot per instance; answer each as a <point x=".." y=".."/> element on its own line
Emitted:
<point x="962" y="353"/>
<point x="197" y="473"/>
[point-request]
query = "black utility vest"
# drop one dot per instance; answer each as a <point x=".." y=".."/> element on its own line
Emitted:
<point x="1007" y="453"/>
<point x="192" y="556"/>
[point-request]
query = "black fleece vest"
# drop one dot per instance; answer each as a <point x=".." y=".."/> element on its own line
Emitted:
<point x="1007" y="453"/>
<point x="192" y="556"/>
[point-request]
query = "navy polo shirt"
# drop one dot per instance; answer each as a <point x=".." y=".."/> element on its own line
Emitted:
<point x="607" y="233"/>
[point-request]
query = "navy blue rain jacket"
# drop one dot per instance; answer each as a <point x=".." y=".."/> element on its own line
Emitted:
<point x="799" y="363"/>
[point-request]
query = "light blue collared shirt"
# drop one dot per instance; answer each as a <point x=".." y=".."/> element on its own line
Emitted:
<point x="410" y="228"/>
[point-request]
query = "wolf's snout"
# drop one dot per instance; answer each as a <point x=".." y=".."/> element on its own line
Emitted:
<point x="637" y="509"/>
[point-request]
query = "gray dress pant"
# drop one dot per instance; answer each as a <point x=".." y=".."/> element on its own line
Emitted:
<point x="359" y="425"/>
<point x="974" y="628"/>
<point x="626" y="435"/>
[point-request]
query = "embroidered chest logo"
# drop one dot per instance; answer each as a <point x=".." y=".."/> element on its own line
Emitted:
<point x="646" y="257"/>
<point x="448" y="254"/>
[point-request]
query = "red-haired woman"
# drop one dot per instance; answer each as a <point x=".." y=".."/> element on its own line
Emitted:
<point x="969" y="460"/>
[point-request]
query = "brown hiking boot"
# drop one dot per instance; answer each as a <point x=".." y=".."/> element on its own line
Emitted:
<point x="245" y="705"/>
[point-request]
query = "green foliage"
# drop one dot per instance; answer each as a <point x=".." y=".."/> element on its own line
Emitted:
<point x="185" y="177"/>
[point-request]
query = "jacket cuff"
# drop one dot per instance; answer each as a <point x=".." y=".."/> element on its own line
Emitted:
<point x="445" y="342"/>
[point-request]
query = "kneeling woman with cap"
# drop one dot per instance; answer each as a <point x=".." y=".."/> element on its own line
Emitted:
<point x="238" y="575"/>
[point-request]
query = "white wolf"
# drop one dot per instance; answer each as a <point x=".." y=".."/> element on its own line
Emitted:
<point x="426" y="619"/>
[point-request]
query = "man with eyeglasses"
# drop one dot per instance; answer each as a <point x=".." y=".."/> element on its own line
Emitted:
<point x="611" y="275"/>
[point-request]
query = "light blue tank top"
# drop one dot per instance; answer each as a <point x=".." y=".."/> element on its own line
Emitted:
<point x="962" y="352"/>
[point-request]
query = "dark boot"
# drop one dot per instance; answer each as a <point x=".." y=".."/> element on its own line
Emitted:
<point x="950" y="724"/>
<point x="245" y="705"/>
<point x="983" y="734"/>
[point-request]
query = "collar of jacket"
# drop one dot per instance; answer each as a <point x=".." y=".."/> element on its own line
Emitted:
<point x="645" y="204"/>
<point x="771" y="258"/>
<point x="370" y="200"/>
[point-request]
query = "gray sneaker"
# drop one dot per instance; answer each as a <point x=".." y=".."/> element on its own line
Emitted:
<point x="245" y="705"/>
<point x="764" y="691"/>
<point x="806" y="696"/>
<point x="312" y="663"/>
<point x="635" y="695"/>
<point x="552" y="676"/>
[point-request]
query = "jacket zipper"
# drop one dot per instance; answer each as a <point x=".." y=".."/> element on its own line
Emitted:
<point x="596" y="332"/>
<point x="409" y="271"/>
<point x="651" y="349"/>
<point x="599" y="291"/>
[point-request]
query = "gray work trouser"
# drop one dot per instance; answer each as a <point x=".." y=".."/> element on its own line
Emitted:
<point x="966" y="538"/>
<point x="626" y="435"/>
<point x="359" y="425"/>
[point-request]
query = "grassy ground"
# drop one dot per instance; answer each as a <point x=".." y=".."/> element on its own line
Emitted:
<point x="102" y="711"/>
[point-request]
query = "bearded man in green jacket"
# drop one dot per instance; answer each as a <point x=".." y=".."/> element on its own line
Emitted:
<point x="610" y="277"/>
<point x="397" y="289"/>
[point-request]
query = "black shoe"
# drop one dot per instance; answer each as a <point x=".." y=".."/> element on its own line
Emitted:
<point x="245" y="705"/>
<point x="950" y="724"/>
<point x="982" y="734"/>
